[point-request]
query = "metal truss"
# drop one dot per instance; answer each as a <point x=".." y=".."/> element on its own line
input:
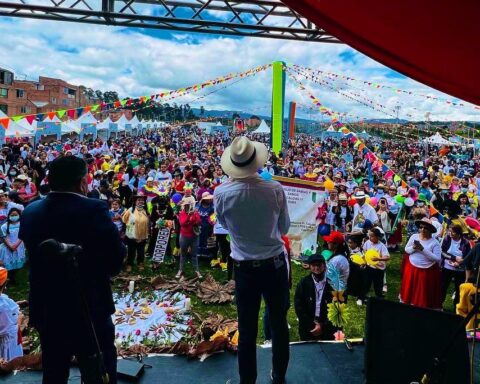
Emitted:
<point x="257" y="18"/>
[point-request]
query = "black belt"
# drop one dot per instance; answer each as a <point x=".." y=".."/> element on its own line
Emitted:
<point x="259" y="263"/>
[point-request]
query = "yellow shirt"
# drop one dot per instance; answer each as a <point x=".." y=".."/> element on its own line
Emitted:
<point x="464" y="306"/>
<point x="447" y="179"/>
<point x="105" y="166"/>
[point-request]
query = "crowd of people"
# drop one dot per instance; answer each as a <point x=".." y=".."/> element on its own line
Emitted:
<point x="166" y="179"/>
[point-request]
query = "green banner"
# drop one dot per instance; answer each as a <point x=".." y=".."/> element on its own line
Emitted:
<point x="278" y="99"/>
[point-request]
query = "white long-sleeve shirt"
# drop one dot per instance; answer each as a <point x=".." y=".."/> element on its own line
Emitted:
<point x="255" y="213"/>
<point x="431" y="254"/>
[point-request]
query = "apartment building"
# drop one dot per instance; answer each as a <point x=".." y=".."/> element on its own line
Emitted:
<point x="18" y="97"/>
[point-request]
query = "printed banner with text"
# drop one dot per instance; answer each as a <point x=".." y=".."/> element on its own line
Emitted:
<point x="303" y="199"/>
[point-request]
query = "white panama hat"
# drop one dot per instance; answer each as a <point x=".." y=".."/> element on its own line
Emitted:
<point x="243" y="158"/>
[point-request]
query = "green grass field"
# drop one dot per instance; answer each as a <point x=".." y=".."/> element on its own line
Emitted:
<point x="354" y="328"/>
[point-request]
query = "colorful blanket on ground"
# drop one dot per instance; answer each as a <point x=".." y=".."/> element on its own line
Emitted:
<point x="152" y="318"/>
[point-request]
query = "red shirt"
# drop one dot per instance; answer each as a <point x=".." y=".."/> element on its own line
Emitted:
<point x="187" y="222"/>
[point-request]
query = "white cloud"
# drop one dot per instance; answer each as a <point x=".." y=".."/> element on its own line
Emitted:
<point x="135" y="64"/>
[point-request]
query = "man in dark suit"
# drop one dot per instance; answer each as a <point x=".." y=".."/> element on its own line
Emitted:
<point x="67" y="216"/>
<point x="312" y="295"/>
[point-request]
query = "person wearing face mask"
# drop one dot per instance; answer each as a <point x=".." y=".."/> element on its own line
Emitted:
<point x="11" y="176"/>
<point x="12" y="250"/>
<point x="68" y="216"/>
<point x="137" y="227"/>
<point x="312" y="295"/>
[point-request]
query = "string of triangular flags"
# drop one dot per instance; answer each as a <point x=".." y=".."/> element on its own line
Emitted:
<point x="366" y="101"/>
<point x="377" y="163"/>
<point x="187" y="93"/>
<point x="103" y="107"/>
<point x="394" y="89"/>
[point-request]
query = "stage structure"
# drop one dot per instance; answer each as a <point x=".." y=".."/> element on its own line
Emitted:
<point x="255" y="18"/>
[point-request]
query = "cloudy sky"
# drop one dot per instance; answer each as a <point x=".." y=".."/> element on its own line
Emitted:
<point x="134" y="62"/>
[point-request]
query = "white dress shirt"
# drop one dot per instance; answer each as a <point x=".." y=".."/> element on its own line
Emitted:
<point x="255" y="213"/>
<point x="319" y="288"/>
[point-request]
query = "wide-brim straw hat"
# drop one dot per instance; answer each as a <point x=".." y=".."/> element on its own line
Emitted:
<point x="243" y="158"/>
<point x="427" y="223"/>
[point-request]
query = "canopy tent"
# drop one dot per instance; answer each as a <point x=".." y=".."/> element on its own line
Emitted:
<point x="123" y="124"/>
<point x="50" y="127"/>
<point x="11" y="128"/>
<point x="70" y="127"/>
<point x="87" y="118"/>
<point x="430" y="41"/>
<point x="15" y="130"/>
<point x="135" y="123"/>
<point x="25" y="124"/>
<point x="205" y="125"/>
<point x="88" y="125"/>
<point x="109" y="126"/>
<point x="363" y="135"/>
<point x="437" y="139"/>
<point x="331" y="133"/>
<point x="263" y="128"/>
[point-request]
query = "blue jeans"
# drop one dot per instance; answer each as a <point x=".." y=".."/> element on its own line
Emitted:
<point x="185" y="244"/>
<point x="251" y="283"/>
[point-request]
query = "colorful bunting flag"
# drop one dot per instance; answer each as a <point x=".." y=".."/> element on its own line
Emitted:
<point x="61" y="113"/>
<point x="51" y="115"/>
<point x="5" y="122"/>
<point x="30" y="119"/>
<point x="17" y="118"/>
<point x="71" y="113"/>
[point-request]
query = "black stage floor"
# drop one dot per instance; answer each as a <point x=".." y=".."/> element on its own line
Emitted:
<point x="329" y="363"/>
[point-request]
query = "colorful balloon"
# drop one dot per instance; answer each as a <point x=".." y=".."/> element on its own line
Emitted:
<point x="409" y="202"/>
<point x="399" y="199"/>
<point x="329" y="185"/>
<point x="324" y="229"/>
<point x="177" y="197"/>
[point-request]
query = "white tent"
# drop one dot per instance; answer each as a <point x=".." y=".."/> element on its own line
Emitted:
<point x="262" y="128"/>
<point x="25" y="124"/>
<point x="16" y="130"/>
<point x="87" y="118"/>
<point x="54" y="120"/>
<point x="134" y="121"/>
<point x="331" y="129"/>
<point x="69" y="127"/>
<point x="437" y="139"/>
<point x="122" y="121"/>
<point x="104" y="125"/>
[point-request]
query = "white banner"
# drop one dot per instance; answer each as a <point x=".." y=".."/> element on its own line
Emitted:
<point x="303" y="203"/>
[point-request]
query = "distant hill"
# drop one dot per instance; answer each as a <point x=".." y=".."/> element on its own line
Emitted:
<point x="243" y="115"/>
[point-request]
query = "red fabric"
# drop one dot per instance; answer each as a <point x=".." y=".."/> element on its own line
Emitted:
<point x="434" y="42"/>
<point x="421" y="286"/>
<point x="187" y="222"/>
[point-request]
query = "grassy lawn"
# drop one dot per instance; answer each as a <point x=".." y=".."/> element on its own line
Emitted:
<point x="354" y="328"/>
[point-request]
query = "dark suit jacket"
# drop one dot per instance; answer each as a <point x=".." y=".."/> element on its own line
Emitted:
<point x="74" y="219"/>
<point x="305" y="301"/>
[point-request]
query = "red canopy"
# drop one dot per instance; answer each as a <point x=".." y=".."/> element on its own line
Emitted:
<point x="434" y="42"/>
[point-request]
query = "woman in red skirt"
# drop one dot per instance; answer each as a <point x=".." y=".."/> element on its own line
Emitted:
<point x="421" y="282"/>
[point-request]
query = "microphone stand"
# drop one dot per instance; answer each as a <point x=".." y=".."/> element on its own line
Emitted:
<point x="92" y="368"/>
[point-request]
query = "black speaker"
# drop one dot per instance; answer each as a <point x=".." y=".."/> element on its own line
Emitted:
<point x="401" y="342"/>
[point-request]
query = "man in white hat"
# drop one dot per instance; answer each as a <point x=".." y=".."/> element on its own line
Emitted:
<point x="363" y="211"/>
<point x="255" y="213"/>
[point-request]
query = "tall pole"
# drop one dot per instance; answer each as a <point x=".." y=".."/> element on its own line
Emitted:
<point x="278" y="100"/>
